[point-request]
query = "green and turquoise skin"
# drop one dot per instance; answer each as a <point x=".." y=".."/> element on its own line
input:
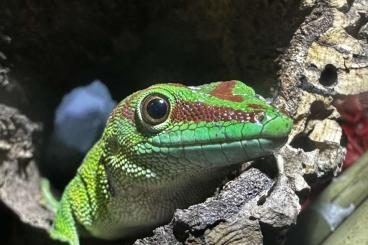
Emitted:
<point x="163" y="148"/>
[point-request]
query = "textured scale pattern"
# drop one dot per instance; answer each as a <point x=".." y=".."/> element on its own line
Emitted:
<point x="139" y="172"/>
<point x="197" y="112"/>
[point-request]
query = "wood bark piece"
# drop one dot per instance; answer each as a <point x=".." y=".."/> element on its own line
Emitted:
<point x="222" y="218"/>
<point x="19" y="175"/>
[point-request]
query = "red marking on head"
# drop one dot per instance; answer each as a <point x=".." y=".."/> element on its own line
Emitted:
<point x="124" y="110"/>
<point x="197" y="112"/>
<point x="225" y="91"/>
<point x="128" y="112"/>
<point x="255" y="106"/>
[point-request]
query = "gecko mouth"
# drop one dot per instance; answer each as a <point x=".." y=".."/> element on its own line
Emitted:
<point x="276" y="141"/>
<point x="273" y="130"/>
<point x="224" y="153"/>
<point x="222" y="146"/>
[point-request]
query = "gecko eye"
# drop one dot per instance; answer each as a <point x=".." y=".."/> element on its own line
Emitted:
<point x="155" y="109"/>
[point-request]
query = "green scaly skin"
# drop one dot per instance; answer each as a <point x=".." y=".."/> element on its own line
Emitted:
<point x="139" y="172"/>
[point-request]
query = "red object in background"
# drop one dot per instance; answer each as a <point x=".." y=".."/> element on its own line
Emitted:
<point x="354" y="113"/>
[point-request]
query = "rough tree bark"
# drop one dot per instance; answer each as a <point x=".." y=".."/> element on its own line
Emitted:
<point x="327" y="57"/>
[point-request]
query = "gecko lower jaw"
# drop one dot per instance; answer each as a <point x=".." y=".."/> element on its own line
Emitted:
<point x="278" y="141"/>
<point x="223" y="153"/>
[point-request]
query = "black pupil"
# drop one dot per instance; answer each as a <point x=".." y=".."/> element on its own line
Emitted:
<point x="157" y="108"/>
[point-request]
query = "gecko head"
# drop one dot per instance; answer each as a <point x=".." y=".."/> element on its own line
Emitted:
<point x="171" y="126"/>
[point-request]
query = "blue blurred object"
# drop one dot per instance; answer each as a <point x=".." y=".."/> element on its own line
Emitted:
<point x="79" y="121"/>
<point x="82" y="115"/>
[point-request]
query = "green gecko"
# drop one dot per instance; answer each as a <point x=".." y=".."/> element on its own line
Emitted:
<point x="163" y="148"/>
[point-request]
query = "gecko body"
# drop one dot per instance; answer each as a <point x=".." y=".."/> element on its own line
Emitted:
<point x="163" y="148"/>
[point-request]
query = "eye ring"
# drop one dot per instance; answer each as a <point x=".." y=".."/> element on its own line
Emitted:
<point x="155" y="109"/>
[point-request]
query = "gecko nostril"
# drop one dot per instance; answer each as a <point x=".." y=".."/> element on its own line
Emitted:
<point x="260" y="117"/>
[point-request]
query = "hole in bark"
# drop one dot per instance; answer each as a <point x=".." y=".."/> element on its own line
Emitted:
<point x="261" y="200"/>
<point x="252" y="218"/>
<point x="318" y="110"/>
<point x="267" y="165"/>
<point x="272" y="235"/>
<point x="302" y="141"/>
<point x="180" y="230"/>
<point x="329" y="75"/>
